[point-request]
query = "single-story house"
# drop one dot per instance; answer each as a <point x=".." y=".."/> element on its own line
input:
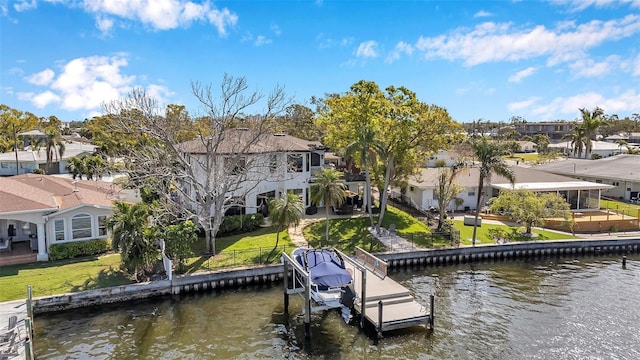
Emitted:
<point x="527" y="146"/>
<point x="43" y="210"/>
<point x="581" y="195"/>
<point x="29" y="160"/>
<point x="622" y="172"/>
<point x="602" y="148"/>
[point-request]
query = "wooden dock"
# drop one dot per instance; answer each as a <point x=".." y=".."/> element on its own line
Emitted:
<point x="383" y="302"/>
<point x="380" y="300"/>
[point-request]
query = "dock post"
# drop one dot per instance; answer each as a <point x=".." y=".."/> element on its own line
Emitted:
<point x="307" y="312"/>
<point x="432" y="310"/>
<point x="363" y="298"/>
<point x="380" y="305"/>
<point x="286" y="285"/>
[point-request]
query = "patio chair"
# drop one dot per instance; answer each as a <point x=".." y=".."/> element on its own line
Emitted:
<point x="5" y="335"/>
<point x="392" y="229"/>
<point x="9" y="348"/>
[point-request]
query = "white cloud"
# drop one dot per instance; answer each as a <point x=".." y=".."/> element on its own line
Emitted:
<point x="579" y="5"/>
<point x="104" y="24"/>
<point x="517" y="77"/>
<point x="25" y="5"/>
<point x="590" y="68"/>
<point x="328" y="42"/>
<point x="160" y="93"/>
<point x="482" y="13"/>
<point x="520" y="105"/>
<point x="400" y="49"/>
<point x="83" y="83"/>
<point x="161" y="14"/>
<point x="42" y="78"/>
<point x="367" y="49"/>
<point x="262" y="40"/>
<point x="568" y="106"/>
<point x="276" y="29"/>
<point x="492" y="42"/>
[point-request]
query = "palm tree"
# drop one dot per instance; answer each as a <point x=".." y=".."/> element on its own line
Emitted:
<point x="591" y="121"/>
<point x="621" y="143"/>
<point x="131" y="236"/>
<point x="577" y="138"/>
<point x="489" y="155"/>
<point x="76" y="166"/>
<point x="54" y="146"/>
<point x="330" y="189"/>
<point x="283" y="212"/>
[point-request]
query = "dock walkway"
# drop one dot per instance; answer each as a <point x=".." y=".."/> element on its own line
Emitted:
<point x="387" y="304"/>
<point x="19" y="309"/>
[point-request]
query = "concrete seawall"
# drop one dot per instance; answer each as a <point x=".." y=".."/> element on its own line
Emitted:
<point x="208" y="281"/>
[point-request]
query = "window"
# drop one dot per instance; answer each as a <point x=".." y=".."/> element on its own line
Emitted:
<point x="81" y="226"/>
<point x="615" y="183"/>
<point x="102" y="225"/>
<point x="295" y="162"/>
<point x="434" y="196"/>
<point x="58" y="229"/>
<point x="412" y="189"/>
<point x="235" y="165"/>
<point x="471" y="193"/>
<point x="4" y="165"/>
<point x="273" y="163"/>
<point x="599" y="181"/>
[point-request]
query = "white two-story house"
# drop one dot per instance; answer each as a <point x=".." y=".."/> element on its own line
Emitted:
<point x="255" y="167"/>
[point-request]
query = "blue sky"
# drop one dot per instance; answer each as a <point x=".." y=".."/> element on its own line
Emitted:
<point x="486" y="60"/>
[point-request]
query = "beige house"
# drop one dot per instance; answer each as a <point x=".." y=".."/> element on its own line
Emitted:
<point x="37" y="211"/>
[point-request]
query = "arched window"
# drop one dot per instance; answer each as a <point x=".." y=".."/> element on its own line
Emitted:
<point x="81" y="226"/>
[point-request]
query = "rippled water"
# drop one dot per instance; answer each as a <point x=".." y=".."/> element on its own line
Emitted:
<point x="557" y="309"/>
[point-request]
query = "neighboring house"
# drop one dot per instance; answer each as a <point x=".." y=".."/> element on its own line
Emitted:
<point x="43" y="210"/>
<point x="30" y="160"/>
<point x="621" y="171"/>
<point x="450" y="157"/>
<point x="555" y="130"/>
<point x="527" y="146"/>
<point x="602" y="148"/>
<point x="581" y="195"/>
<point x="278" y="163"/>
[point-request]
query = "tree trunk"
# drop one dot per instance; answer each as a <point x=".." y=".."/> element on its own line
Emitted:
<point x="326" y="228"/>
<point x="368" y="194"/>
<point x="475" y="222"/>
<point x="383" y="196"/>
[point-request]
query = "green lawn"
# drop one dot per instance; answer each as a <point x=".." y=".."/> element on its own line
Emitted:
<point x="482" y="233"/>
<point x="627" y="208"/>
<point x="241" y="250"/>
<point x="57" y="277"/>
<point x="347" y="233"/>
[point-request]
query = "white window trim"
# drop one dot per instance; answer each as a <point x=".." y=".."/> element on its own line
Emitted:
<point x="90" y="226"/>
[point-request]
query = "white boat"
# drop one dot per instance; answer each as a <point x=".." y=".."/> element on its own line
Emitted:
<point x="330" y="280"/>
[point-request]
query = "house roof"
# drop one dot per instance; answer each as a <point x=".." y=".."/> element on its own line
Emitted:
<point x="526" y="177"/>
<point x="620" y="167"/>
<point x="595" y="145"/>
<point x="247" y="141"/>
<point x="34" y="192"/>
<point x="71" y="149"/>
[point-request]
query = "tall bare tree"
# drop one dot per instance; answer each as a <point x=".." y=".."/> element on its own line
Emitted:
<point x="447" y="189"/>
<point x="212" y="172"/>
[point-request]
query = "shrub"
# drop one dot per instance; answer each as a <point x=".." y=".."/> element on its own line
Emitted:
<point x="79" y="248"/>
<point x="38" y="171"/>
<point x="596" y="156"/>
<point x="240" y="223"/>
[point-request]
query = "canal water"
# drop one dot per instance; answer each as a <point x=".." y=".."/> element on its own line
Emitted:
<point x="561" y="308"/>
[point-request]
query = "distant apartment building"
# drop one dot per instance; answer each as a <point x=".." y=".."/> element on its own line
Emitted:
<point x="555" y="130"/>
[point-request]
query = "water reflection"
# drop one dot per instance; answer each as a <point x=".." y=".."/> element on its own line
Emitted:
<point x="561" y="309"/>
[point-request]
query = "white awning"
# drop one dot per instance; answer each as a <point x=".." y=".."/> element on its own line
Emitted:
<point x="554" y="186"/>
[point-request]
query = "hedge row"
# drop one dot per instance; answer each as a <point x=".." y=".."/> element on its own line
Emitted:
<point x="240" y="223"/>
<point x="79" y="248"/>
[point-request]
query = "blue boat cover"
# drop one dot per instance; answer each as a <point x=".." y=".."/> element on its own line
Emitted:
<point x="326" y="269"/>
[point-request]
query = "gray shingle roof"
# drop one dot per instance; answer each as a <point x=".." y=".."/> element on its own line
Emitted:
<point x="620" y="167"/>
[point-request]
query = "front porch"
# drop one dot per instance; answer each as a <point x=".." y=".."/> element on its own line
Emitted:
<point x="20" y="253"/>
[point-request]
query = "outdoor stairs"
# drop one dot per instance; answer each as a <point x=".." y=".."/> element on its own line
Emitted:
<point x="7" y="259"/>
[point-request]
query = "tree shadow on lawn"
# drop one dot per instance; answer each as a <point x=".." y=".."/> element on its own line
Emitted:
<point x="105" y="278"/>
<point x="344" y="234"/>
<point x="12" y="270"/>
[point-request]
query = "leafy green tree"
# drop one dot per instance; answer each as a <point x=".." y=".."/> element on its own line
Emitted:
<point x="531" y="209"/>
<point x="179" y="239"/>
<point x="132" y="236"/>
<point x="542" y="141"/>
<point x="591" y="122"/>
<point x="489" y="155"/>
<point x="76" y="166"/>
<point x="12" y="123"/>
<point x="330" y="189"/>
<point x="285" y="211"/>
<point x="577" y="138"/>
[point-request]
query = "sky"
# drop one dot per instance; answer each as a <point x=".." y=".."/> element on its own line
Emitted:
<point x="481" y="60"/>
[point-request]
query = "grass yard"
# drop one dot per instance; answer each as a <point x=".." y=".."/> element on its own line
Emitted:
<point x="347" y="233"/>
<point x="620" y="206"/>
<point x="57" y="277"/>
<point x="482" y="233"/>
<point x="244" y="249"/>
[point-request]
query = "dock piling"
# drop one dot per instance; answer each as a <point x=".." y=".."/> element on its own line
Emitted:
<point x="431" y="313"/>
<point x="286" y="287"/>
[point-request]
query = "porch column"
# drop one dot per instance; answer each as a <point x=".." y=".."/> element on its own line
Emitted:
<point x="43" y="255"/>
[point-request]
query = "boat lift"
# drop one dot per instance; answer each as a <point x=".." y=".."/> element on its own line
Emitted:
<point x="383" y="302"/>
